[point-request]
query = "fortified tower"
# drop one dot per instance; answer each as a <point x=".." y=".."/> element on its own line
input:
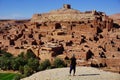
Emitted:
<point x="67" y="6"/>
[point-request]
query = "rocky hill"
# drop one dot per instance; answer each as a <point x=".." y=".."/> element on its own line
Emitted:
<point x="83" y="73"/>
<point x="92" y="36"/>
<point x="116" y="18"/>
<point x="68" y="14"/>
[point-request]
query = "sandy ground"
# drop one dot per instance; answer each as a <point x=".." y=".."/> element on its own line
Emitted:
<point x="82" y="73"/>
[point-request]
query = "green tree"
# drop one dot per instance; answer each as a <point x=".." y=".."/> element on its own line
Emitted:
<point x="27" y="70"/>
<point x="30" y="54"/>
<point x="21" y="69"/>
<point x="6" y="54"/>
<point x="5" y="60"/>
<point x="21" y="61"/>
<point x="2" y="52"/>
<point x="15" y="64"/>
<point x="58" y="63"/>
<point x="22" y="55"/>
<point x="5" y="63"/>
<point x="45" y="64"/>
<point x="33" y="63"/>
<point x="17" y="77"/>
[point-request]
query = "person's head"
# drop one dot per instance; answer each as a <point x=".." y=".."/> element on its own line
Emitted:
<point x="73" y="55"/>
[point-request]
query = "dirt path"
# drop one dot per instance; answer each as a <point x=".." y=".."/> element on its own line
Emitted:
<point x="82" y="73"/>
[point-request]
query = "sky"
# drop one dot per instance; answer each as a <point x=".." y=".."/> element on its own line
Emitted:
<point x="24" y="9"/>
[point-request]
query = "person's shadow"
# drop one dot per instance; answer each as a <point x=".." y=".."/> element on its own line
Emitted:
<point x="88" y="74"/>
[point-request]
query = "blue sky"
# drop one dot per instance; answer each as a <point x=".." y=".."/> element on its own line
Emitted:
<point x="18" y="9"/>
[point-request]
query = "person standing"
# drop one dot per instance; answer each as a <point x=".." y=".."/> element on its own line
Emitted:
<point x="73" y="65"/>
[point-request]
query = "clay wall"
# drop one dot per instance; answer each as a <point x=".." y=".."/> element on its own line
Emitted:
<point x="62" y="17"/>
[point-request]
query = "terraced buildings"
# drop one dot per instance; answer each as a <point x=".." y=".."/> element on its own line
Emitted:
<point x="90" y="35"/>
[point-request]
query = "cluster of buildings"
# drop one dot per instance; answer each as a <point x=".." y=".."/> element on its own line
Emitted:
<point x="60" y="33"/>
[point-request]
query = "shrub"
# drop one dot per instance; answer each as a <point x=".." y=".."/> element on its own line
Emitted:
<point x="33" y="63"/>
<point x="6" y="54"/>
<point x="30" y="54"/>
<point x="17" y="77"/>
<point x="21" y="55"/>
<point x="5" y="60"/>
<point x="44" y="65"/>
<point x="5" y="63"/>
<point x="27" y="70"/>
<point x="15" y="64"/>
<point x="58" y="63"/>
<point x="21" y="69"/>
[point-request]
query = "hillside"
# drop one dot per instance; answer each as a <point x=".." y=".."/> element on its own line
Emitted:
<point x="83" y="73"/>
<point x="116" y="18"/>
<point x="91" y="35"/>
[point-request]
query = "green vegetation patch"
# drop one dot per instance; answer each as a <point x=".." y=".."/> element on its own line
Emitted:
<point x="7" y="76"/>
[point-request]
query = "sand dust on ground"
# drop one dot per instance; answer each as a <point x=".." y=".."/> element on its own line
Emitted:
<point x="82" y="73"/>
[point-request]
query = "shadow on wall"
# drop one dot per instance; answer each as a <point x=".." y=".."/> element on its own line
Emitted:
<point x="115" y="25"/>
<point x="58" y="26"/>
<point x="89" y="54"/>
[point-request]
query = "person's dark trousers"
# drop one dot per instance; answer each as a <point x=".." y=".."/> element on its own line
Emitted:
<point x="72" y="68"/>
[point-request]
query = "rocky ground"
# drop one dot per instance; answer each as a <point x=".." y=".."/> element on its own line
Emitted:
<point x="82" y="73"/>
